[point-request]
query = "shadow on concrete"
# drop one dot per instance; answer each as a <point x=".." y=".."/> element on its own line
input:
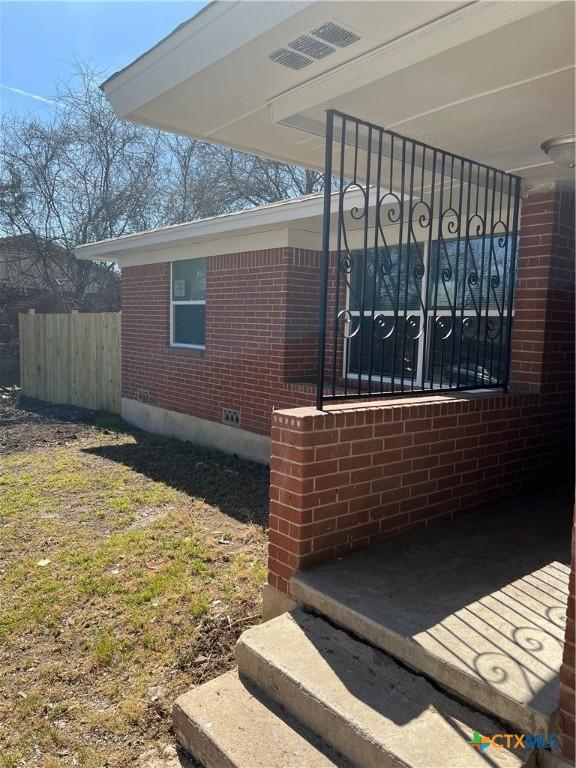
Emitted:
<point x="483" y="596"/>
<point x="354" y="682"/>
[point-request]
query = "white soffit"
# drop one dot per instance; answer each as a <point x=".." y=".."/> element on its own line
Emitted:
<point x="489" y="79"/>
<point x="216" y="71"/>
<point x="215" y="33"/>
<point x="492" y="98"/>
<point x="453" y="30"/>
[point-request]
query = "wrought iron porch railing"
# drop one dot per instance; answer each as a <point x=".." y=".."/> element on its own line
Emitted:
<point x="418" y="267"/>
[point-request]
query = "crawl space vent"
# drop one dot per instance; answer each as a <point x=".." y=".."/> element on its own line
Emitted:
<point x="314" y="45"/>
<point x="229" y="416"/>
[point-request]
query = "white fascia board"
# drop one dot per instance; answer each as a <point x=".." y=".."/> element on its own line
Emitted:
<point x="255" y="241"/>
<point x="454" y="29"/>
<point x="275" y="216"/>
<point x="248" y="243"/>
<point x="284" y="215"/>
<point x="210" y="36"/>
<point x="287" y="237"/>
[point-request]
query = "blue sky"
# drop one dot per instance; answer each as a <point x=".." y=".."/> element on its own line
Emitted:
<point x="39" y="41"/>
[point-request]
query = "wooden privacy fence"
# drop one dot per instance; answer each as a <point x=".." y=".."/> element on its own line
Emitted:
<point x="71" y="358"/>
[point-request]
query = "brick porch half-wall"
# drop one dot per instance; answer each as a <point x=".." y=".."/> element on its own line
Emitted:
<point x="345" y="478"/>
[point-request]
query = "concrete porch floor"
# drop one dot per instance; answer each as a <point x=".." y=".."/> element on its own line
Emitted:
<point x="477" y="604"/>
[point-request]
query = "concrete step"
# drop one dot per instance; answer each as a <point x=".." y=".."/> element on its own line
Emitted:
<point x="478" y="605"/>
<point x="228" y="724"/>
<point x="367" y="706"/>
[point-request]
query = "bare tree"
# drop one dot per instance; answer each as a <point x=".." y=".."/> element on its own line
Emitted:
<point x="85" y="176"/>
<point x="256" y="181"/>
<point x="194" y="185"/>
<point x="79" y="177"/>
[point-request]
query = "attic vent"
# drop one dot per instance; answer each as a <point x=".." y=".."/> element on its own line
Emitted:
<point x="290" y="59"/>
<point x="311" y="46"/>
<point x="336" y="34"/>
<point x="297" y="54"/>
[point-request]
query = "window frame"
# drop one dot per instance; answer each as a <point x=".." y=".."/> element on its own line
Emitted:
<point x="419" y="379"/>
<point x="186" y="302"/>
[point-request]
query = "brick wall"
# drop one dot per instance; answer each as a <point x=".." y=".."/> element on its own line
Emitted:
<point x="302" y="316"/>
<point x="259" y="337"/>
<point x="345" y="478"/>
<point x="262" y="318"/>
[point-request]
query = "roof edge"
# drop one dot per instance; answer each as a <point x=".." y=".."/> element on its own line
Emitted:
<point x="273" y="216"/>
<point x="163" y="41"/>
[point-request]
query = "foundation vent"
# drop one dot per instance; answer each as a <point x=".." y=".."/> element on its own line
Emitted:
<point x="143" y="395"/>
<point x="314" y="45"/>
<point x="231" y="417"/>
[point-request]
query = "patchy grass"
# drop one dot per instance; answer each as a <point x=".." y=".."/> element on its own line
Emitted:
<point x="129" y="565"/>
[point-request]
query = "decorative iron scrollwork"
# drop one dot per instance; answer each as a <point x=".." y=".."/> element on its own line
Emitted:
<point x="383" y="327"/>
<point x="417" y="294"/>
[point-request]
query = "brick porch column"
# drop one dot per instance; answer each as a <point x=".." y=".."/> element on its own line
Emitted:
<point x="542" y="355"/>
<point x="568" y="670"/>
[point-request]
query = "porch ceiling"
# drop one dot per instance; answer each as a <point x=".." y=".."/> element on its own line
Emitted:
<point x="488" y="80"/>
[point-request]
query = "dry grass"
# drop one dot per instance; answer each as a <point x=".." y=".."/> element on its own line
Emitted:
<point x="156" y="563"/>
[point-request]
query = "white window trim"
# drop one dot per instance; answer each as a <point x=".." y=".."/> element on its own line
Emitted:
<point x="175" y="303"/>
<point x="419" y="380"/>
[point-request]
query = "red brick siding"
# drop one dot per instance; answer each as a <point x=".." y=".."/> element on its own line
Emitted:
<point x="250" y="356"/>
<point x="302" y="317"/>
<point x="567" y="672"/>
<point x="343" y="479"/>
<point x="262" y="319"/>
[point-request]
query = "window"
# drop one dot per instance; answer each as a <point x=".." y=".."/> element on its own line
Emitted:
<point x="189" y="303"/>
<point x="433" y="314"/>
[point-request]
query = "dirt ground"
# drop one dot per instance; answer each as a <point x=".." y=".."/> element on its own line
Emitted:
<point x="129" y="565"/>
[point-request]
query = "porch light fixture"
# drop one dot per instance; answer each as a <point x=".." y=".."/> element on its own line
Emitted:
<point x="561" y="150"/>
